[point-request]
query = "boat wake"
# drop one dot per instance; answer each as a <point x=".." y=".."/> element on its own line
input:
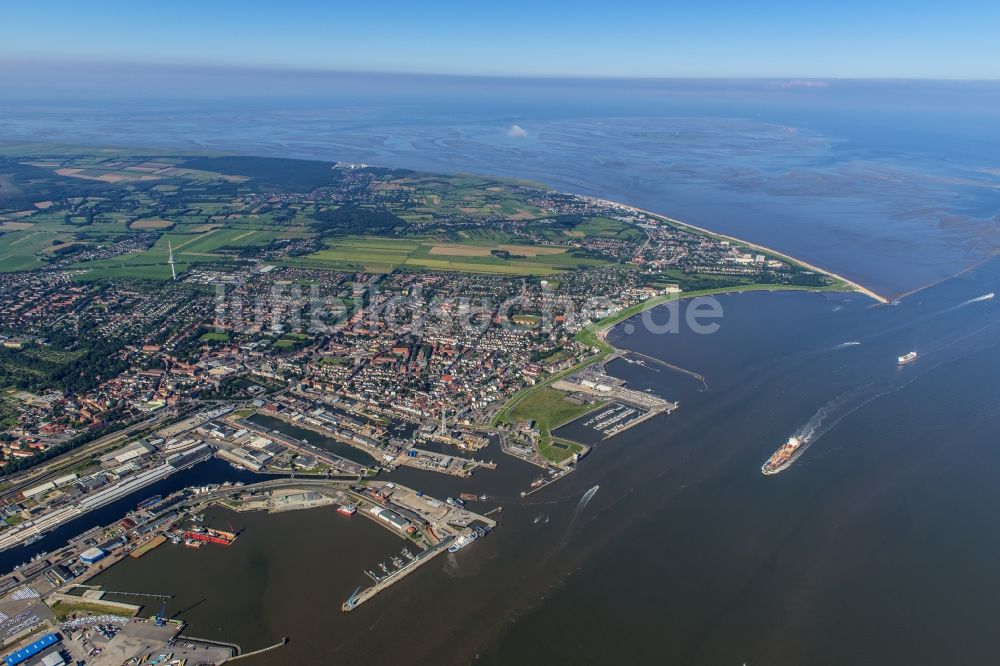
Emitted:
<point x="580" y="506"/>
<point x="839" y="408"/>
<point x="978" y="299"/>
<point x="585" y="500"/>
<point x="845" y="345"/>
<point x="832" y="413"/>
<point x="971" y="301"/>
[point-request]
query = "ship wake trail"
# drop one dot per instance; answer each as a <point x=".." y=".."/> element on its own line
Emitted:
<point x="585" y="500"/>
<point x="978" y="299"/>
<point x="937" y="313"/>
<point x="580" y="506"/>
<point x="971" y="301"/>
<point x="835" y="411"/>
<point x="845" y="345"/>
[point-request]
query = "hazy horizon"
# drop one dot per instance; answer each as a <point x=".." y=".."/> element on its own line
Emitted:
<point x="723" y="39"/>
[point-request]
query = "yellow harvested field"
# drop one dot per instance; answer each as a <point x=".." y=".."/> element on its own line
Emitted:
<point x="532" y="250"/>
<point x="42" y="205"/>
<point x="15" y="226"/>
<point x="110" y="177"/>
<point x="152" y="224"/>
<point x="52" y="249"/>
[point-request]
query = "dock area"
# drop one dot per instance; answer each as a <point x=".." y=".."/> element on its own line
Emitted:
<point x="431" y="524"/>
<point x="339" y="463"/>
<point x="441" y="525"/>
<point x="628" y="407"/>
<point x="426" y="527"/>
<point x="440" y="462"/>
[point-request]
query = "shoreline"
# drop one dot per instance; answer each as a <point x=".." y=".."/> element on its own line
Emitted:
<point x="854" y="286"/>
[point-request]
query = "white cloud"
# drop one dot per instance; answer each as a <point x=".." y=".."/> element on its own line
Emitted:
<point x="516" y="132"/>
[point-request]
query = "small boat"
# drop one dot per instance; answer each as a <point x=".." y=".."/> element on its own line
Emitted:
<point x="347" y="509"/>
<point x="907" y="358"/>
<point x="455" y="502"/>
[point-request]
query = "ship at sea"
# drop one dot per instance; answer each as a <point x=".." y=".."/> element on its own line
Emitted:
<point x="783" y="457"/>
<point x="907" y="358"/>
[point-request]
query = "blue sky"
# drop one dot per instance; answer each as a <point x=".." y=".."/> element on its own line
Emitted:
<point x="711" y="38"/>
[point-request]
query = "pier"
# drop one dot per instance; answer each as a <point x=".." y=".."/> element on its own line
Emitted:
<point x="361" y="596"/>
<point x="284" y="641"/>
<point x="669" y="366"/>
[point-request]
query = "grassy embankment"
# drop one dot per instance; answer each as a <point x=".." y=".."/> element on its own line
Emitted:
<point x="64" y="609"/>
<point x="549" y="409"/>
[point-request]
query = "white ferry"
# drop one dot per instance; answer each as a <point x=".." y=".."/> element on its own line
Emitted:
<point x="462" y="541"/>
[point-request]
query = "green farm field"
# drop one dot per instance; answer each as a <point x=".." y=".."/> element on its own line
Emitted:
<point x="378" y="254"/>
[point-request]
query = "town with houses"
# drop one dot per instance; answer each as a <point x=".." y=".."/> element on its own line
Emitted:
<point x="379" y="320"/>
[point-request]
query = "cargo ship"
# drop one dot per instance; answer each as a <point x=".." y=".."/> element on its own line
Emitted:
<point x="783" y="457"/>
<point x="210" y="535"/>
<point x="462" y="541"/>
<point x="471" y="497"/>
<point x="347" y="509"/>
<point x="907" y="358"/>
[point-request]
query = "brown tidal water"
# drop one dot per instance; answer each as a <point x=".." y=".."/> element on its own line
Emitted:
<point x="875" y="547"/>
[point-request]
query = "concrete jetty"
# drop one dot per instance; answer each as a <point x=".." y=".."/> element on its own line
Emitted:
<point x="669" y="366"/>
<point x="284" y="641"/>
<point x="421" y="559"/>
